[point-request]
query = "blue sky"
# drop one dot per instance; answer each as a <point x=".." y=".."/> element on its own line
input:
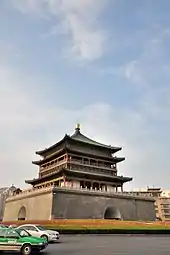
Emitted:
<point x="103" y="63"/>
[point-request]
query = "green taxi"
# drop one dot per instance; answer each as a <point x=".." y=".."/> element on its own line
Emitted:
<point x="20" y="240"/>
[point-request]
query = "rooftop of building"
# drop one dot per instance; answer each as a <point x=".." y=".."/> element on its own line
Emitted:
<point x="165" y="193"/>
<point x="148" y="189"/>
<point x="79" y="137"/>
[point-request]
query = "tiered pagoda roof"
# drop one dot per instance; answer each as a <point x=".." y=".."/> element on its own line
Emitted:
<point x="80" y="145"/>
<point x="79" y="175"/>
<point x="79" y="137"/>
<point x="65" y="145"/>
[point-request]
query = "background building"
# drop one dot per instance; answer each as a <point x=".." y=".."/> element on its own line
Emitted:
<point x="162" y="201"/>
<point x="5" y="192"/>
<point x="163" y="205"/>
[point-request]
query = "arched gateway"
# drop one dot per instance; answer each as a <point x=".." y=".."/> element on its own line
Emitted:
<point x="112" y="213"/>
<point x="22" y="213"/>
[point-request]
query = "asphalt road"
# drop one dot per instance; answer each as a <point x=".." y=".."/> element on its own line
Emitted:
<point x="110" y="245"/>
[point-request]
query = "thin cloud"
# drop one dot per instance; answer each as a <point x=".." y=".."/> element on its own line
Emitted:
<point x="78" y="20"/>
<point x="27" y="125"/>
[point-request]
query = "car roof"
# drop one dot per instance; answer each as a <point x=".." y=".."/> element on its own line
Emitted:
<point x="27" y="225"/>
<point x="30" y="225"/>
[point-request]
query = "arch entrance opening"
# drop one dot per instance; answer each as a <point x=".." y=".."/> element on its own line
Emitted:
<point x="112" y="213"/>
<point x="22" y="213"/>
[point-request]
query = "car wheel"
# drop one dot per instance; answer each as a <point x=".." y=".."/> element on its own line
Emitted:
<point x="45" y="238"/>
<point x="26" y="249"/>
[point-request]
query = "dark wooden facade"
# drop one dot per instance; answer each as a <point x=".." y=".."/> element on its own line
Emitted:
<point x="79" y="162"/>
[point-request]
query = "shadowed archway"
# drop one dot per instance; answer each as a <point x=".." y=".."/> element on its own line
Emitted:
<point x="112" y="213"/>
<point x="22" y="213"/>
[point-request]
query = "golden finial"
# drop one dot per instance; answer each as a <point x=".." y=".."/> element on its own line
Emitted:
<point x="78" y="126"/>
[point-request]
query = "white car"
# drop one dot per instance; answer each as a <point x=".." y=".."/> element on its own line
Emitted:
<point x="39" y="231"/>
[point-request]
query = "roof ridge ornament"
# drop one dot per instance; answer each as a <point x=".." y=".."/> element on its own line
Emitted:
<point x="78" y="126"/>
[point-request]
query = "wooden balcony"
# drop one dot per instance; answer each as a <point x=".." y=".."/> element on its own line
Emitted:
<point x="72" y="164"/>
<point x="53" y="169"/>
<point x="58" y="164"/>
<point x="90" y="167"/>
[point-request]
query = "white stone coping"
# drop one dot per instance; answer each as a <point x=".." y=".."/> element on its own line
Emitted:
<point x="37" y="191"/>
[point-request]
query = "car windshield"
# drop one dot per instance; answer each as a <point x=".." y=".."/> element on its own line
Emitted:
<point x="41" y="228"/>
<point x="22" y="232"/>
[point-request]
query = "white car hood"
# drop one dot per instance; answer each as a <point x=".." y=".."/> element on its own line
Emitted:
<point x="52" y="232"/>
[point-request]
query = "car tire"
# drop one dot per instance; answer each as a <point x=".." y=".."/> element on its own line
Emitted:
<point x="45" y="238"/>
<point x="26" y="249"/>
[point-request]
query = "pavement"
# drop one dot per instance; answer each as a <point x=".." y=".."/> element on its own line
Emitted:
<point x="110" y="245"/>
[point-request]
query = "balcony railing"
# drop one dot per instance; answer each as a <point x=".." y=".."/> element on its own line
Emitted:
<point x="60" y="163"/>
<point x="68" y="164"/>
<point x="98" y="166"/>
<point x="166" y="215"/>
<point x="140" y="194"/>
<point x="165" y="204"/>
<point x="53" y="169"/>
<point x="165" y="207"/>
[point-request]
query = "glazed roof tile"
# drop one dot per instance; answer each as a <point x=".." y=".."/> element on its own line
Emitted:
<point x="78" y="136"/>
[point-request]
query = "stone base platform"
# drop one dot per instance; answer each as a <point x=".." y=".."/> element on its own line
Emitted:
<point x="65" y="203"/>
